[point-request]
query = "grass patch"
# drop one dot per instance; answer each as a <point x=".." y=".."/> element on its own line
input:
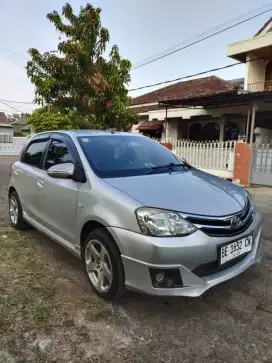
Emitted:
<point x="38" y="319"/>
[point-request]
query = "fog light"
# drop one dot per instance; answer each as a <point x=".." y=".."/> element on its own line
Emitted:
<point x="166" y="278"/>
<point x="160" y="276"/>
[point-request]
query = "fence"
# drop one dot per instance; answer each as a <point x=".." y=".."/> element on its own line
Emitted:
<point x="215" y="157"/>
<point x="261" y="172"/>
<point x="5" y="138"/>
<point x="14" y="148"/>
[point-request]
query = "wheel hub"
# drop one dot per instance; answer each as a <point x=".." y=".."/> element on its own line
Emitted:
<point x="98" y="266"/>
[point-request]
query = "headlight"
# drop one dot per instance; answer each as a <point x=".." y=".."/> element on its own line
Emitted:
<point x="162" y="223"/>
<point x="251" y="200"/>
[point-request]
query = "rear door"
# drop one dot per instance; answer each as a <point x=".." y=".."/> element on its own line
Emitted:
<point x="27" y="171"/>
<point x="57" y="198"/>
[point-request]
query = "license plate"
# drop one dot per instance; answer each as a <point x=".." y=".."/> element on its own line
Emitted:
<point x="235" y="249"/>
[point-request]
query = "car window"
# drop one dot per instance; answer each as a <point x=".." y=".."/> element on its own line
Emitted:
<point x="58" y="153"/>
<point x="119" y="155"/>
<point x="33" y="153"/>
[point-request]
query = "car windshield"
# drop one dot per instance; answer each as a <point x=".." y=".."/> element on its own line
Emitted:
<point x="113" y="156"/>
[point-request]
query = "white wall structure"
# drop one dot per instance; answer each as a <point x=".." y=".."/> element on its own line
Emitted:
<point x="6" y="133"/>
<point x="256" y="52"/>
<point x="14" y="148"/>
<point x="262" y="135"/>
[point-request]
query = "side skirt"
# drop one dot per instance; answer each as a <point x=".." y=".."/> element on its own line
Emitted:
<point x="69" y="246"/>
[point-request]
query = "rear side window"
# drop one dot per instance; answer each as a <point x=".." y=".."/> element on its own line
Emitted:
<point x="58" y="153"/>
<point x="34" y="152"/>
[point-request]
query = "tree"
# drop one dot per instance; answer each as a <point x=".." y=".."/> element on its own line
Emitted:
<point x="18" y="117"/>
<point x="49" y="118"/>
<point x="77" y="79"/>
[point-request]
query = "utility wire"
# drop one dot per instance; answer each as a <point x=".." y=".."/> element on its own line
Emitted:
<point x="202" y="34"/>
<point x="25" y="102"/>
<point x="2" y="56"/>
<point x="202" y="39"/>
<point x="16" y="109"/>
<point x="11" y="52"/>
<point x="10" y="56"/>
<point x="193" y="75"/>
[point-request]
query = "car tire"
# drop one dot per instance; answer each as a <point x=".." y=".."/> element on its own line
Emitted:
<point x="103" y="264"/>
<point x="16" y="212"/>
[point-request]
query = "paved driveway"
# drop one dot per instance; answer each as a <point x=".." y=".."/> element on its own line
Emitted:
<point x="230" y="323"/>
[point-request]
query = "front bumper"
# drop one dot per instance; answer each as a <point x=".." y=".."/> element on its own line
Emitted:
<point x="140" y="253"/>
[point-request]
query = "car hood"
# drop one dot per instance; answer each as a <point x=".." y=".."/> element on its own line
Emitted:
<point x="192" y="192"/>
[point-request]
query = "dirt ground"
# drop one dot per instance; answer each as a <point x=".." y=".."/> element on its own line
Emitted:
<point x="48" y="312"/>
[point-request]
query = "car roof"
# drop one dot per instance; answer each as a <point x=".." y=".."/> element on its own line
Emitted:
<point x="82" y="133"/>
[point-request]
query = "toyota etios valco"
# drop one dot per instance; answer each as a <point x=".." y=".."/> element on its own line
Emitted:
<point x="139" y="217"/>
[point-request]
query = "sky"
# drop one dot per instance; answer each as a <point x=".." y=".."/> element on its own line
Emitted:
<point x="141" y="28"/>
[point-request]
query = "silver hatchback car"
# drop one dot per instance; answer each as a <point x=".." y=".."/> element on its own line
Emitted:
<point x="137" y="215"/>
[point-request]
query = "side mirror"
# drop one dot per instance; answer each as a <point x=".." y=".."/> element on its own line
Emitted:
<point x="62" y="171"/>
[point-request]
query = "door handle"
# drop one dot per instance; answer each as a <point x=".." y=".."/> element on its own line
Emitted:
<point x="40" y="183"/>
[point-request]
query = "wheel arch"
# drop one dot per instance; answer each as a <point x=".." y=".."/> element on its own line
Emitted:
<point x="91" y="226"/>
<point x="11" y="190"/>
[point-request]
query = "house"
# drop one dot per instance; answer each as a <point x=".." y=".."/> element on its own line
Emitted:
<point x="6" y="130"/>
<point x="27" y="130"/>
<point x="211" y="108"/>
<point x="21" y="125"/>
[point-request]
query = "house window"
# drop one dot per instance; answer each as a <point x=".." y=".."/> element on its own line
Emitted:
<point x="231" y="131"/>
<point x="195" y="133"/>
<point x="211" y="131"/>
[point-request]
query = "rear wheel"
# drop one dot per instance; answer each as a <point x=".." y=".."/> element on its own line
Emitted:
<point x="16" y="212"/>
<point x="103" y="265"/>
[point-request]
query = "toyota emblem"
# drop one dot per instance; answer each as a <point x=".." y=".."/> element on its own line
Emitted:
<point x="235" y="222"/>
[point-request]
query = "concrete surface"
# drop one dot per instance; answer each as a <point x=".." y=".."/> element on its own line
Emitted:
<point x="231" y="323"/>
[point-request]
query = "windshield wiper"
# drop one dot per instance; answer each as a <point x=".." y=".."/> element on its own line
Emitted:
<point x="186" y="164"/>
<point x="159" y="168"/>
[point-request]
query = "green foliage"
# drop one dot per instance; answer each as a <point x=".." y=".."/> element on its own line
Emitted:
<point x="46" y="119"/>
<point x="77" y="79"/>
<point x="18" y="118"/>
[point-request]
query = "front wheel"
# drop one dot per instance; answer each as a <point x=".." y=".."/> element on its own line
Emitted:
<point x="103" y="265"/>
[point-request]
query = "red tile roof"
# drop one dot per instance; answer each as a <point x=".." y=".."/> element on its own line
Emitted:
<point x="3" y="118"/>
<point x="187" y="89"/>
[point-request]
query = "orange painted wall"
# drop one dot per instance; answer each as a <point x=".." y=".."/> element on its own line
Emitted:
<point x="241" y="172"/>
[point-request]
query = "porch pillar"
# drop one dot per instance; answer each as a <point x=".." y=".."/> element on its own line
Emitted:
<point x="254" y="108"/>
<point x="247" y="124"/>
<point x="222" y="128"/>
<point x="166" y="123"/>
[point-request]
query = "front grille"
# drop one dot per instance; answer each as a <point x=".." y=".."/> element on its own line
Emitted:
<point x="213" y="267"/>
<point x="221" y="226"/>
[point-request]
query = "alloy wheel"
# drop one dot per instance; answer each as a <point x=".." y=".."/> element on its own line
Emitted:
<point x="98" y="266"/>
<point x="13" y="210"/>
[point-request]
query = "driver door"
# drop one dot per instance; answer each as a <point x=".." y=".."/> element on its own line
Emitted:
<point x="57" y="198"/>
